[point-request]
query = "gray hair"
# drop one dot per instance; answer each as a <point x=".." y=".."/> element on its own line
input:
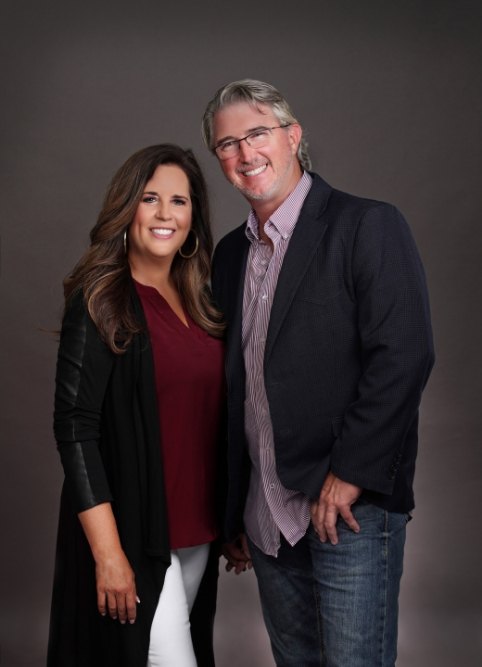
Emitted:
<point x="255" y="93"/>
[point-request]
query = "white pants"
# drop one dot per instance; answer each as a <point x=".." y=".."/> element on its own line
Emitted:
<point x="170" y="644"/>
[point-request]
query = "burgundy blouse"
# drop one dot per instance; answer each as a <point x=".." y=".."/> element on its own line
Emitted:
<point x="189" y="369"/>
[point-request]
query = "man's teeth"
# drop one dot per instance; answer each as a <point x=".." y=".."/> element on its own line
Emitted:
<point x="255" y="172"/>
<point x="163" y="232"/>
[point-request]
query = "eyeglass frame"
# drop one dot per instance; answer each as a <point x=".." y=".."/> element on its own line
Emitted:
<point x="238" y="141"/>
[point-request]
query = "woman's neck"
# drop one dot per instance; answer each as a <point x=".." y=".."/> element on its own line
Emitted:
<point x="156" y="275"/>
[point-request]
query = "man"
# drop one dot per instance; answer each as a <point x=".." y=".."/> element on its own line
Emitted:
<point x="329" y="346"/>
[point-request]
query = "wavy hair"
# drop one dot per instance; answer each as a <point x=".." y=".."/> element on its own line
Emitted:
<point x="255" y="93"/>
<point x="103" y="273"/>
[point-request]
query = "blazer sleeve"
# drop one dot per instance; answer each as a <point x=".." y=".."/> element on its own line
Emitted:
<point x="84" y="365"/>
<point x="396" y="349"/>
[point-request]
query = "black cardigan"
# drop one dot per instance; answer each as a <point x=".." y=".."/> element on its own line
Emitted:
<point x="107" y="430"/>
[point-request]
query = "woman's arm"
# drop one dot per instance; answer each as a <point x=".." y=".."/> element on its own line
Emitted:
<point x="84" y="367"/>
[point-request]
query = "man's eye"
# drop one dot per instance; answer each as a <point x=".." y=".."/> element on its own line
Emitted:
<point x="259" y="134"/>
<point x="227" y="145"/>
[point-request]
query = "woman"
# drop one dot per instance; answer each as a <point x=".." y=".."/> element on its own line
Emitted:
<point x="138" y="411"/>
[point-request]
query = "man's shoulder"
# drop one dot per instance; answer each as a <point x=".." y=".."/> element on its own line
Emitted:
<point x="340" y="199"/>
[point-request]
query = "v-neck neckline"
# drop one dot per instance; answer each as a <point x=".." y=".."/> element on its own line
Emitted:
<point x="150" y="289"/>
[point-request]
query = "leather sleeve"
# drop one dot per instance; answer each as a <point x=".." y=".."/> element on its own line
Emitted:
<point x="84" y="366"/>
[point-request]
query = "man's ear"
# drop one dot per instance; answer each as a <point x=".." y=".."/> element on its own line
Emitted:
<point x="295" y="133"/>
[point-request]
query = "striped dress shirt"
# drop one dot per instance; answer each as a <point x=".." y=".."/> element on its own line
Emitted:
<point x="270" y="509"/>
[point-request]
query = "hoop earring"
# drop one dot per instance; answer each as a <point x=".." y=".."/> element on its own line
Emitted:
<point x="196" y="247"/>
<point x="125" y="241"/>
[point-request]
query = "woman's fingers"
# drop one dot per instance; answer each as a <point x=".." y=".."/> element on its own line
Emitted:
<point x="120" y="606"/>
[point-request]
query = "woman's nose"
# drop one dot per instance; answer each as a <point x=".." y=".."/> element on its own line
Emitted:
<point x="163" y="212"/>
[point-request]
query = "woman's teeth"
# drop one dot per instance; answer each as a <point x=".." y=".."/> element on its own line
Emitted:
<point x="162" y="232"/>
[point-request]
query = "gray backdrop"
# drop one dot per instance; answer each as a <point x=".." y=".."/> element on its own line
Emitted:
<point x="389" y="96"/>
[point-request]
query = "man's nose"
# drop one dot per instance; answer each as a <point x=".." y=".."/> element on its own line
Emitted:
<point x="245" y="151"/>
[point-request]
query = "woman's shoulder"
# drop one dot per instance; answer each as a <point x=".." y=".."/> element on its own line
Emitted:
<point x="75" y="307"/>
<point x="77" y="321"/>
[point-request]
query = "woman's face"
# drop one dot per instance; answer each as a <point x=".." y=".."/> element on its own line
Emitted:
<point x="163" y="218"/>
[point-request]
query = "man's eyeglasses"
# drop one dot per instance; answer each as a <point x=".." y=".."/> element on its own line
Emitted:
<point x="256" y="139"/>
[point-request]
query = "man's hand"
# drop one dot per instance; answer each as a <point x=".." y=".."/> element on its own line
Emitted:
<point x="336" y="497"/>
<point x="237" y="555"/>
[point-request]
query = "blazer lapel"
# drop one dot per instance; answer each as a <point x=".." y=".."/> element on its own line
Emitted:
<point x="307" y="236"/>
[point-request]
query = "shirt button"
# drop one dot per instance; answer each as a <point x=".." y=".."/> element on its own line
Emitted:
<point x="264" y="297"/>
<point x="271" y="486"/>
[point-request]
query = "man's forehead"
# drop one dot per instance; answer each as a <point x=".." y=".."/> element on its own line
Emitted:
<point x="242" y="115"/>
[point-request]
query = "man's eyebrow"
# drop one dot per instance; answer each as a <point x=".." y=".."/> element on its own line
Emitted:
<point x="249" y="131"/>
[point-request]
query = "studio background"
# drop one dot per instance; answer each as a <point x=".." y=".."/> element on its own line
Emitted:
<point x="389" y="97"/>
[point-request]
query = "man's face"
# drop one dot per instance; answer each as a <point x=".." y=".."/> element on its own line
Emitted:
<point x="268" y="174"/>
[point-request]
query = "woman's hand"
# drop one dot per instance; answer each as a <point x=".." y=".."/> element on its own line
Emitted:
<point x="116" y="588"/>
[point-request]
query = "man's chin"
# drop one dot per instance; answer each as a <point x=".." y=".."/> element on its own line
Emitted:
<point x="254" y="195"/>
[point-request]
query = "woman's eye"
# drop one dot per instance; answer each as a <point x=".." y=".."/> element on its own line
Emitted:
<point x="179" y="202"/>
<point x="148" y="199"/>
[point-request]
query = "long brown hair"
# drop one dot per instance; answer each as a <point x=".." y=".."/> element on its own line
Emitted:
<point x="103" y="273"/>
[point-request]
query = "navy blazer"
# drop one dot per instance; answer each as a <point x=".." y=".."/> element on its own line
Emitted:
<point x="348" y="351"/>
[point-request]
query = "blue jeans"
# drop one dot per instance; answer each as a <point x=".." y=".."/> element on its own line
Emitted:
<point x="335" y="606"/>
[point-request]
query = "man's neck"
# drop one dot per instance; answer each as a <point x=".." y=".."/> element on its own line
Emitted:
<point x="265" y="209"/>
